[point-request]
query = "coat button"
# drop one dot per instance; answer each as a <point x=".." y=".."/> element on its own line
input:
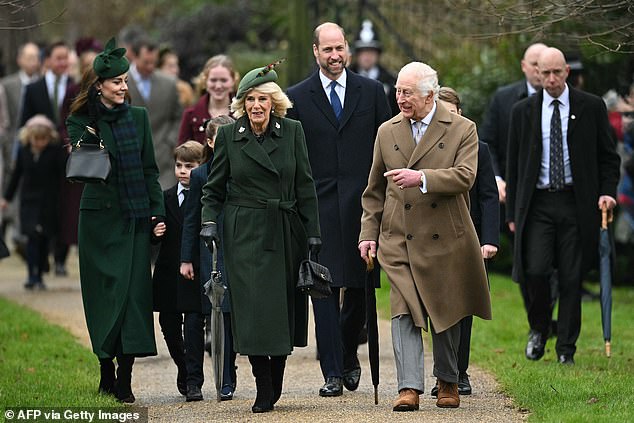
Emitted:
<point x="435" y="236"/>
<point x="434" y="205"/>
<point x="409" y="237"/>
<point x="441" y="145"/>
<point x="395" y="147"/>
<point x="408" y="206"/>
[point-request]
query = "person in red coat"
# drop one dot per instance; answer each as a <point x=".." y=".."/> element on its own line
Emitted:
<point x="216" y="83"/>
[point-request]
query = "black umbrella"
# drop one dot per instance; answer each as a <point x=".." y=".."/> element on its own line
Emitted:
<point x="605" y="277"/>
<point x="215" y="290"/>
<point x="373" y="330"/>
<point x="4" y="251"/>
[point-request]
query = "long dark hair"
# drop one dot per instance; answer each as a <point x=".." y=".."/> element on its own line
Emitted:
<point x="85" y="103"/>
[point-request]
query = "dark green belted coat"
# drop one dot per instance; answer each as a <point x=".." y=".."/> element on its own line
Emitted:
<point x="114" y="258"/>
<point x="270" y="207"/>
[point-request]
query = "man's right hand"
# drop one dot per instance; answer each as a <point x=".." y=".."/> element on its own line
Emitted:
<point x="365" y="247"/>
<point x="209" y="233"/>
<point x="512" y="227"/>
<point x="501" y="190"/>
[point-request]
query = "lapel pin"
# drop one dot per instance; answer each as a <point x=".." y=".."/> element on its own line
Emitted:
<point x="241" y="130"/>
<point x="573" y="117"/>
<point x="277" y="125"/>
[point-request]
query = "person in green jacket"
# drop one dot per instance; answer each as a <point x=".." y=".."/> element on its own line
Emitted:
<point x="261" y="179"/>
<point x="115" y="222"/>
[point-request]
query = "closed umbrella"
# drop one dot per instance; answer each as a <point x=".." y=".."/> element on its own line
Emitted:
<point x="215" y="289"/>
<point x="605" y="269"/>
<point x="373" y="330"/>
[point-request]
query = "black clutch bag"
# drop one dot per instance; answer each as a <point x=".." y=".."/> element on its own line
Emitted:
<point x="314" y="279"/>
<point x="89" y="161"/>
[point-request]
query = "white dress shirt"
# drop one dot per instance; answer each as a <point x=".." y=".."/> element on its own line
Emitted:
<point x="340" y="89"/>
<point x="181" y="194"/>
<point x="426" y="121"/>
<point x="49" y="76"/>
<point x="547" y="112"/>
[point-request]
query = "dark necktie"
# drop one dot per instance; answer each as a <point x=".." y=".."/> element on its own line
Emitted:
<point x="185" y="193"/>
<point x="556" y="172"/>
<point x="335" y="101"/>
<point x="55" y="102"/>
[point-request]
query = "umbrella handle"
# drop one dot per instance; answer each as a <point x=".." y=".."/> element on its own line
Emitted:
<point x="608" y="349"/>
<point x="606" y="216"/>
<point x="370" y="266"/>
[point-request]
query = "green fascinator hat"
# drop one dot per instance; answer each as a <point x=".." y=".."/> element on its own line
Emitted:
<point x="256" y="77"/>
<point x="111" y="61"/>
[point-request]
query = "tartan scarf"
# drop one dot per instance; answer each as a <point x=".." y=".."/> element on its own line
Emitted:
<point x="133" y="195"/>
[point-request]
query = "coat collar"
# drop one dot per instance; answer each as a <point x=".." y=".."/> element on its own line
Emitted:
<point x="353" y="94"/>
<point x="404" y="141"/>
<point x="252" y="148"/>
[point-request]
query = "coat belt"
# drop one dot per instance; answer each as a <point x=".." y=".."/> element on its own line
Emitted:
<point x="274" y="209"/>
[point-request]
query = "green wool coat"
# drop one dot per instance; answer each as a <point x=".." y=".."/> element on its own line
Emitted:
<point x="114" y="260"/>
<point x="270" y="207"/>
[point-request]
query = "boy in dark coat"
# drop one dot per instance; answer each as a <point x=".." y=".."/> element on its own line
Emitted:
<point x="178" y="300"/>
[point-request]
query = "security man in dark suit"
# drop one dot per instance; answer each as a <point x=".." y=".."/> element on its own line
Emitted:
<point x="562" y="169"/>
<point x="340" y="112"/>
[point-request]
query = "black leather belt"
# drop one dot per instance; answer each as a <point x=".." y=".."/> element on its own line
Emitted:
<point x="567" y="188"/>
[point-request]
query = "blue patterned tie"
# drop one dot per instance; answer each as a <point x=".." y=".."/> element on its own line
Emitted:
<point x="556" y="171"/>
<point x="335" y="101"/>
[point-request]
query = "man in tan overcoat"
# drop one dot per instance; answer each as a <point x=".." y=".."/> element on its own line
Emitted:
<point x="416" y="217"/>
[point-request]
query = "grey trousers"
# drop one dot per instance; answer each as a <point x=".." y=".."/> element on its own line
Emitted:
<point x="408" y="353"/>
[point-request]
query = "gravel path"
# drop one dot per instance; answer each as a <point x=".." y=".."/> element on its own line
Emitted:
<point x="154" y="377"/>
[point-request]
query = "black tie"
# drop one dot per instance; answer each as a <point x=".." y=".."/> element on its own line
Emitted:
<point x="556" y="173"/>
<point x="185" y="193"/>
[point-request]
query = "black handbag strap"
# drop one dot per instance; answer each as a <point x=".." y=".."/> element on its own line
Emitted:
<point x="311" y="258"/>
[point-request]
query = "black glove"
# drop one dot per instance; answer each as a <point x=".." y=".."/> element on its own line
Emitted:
<point x="209" y="233"/>
<point x="314" y="245"/>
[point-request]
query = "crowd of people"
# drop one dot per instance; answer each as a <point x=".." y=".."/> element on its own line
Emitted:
<point x="348" y="165"/>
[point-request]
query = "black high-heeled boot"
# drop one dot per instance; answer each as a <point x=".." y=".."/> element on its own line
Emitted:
<point x="107" y="380"/>
<point x="261" y="369"/>
<point x="278" y="364"/>
<point x="123" y="390"/>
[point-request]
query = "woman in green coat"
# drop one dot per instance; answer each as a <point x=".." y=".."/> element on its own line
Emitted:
<point x="115" y="221"/>
<point x="261" y="176"/>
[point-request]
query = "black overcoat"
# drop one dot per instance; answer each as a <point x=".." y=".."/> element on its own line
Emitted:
<point x="593" y="160"/>
<point x="483" y="197"/>
<point x="39" y="184"/>
<point x="172" y="292"/>
<point x="340" y="156"/>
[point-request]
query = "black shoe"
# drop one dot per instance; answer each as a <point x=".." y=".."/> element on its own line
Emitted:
<point x="123" y="385"/>
<point x="332" y="388"/>
<point x="434" y="390"/>
<point x="259" y="408"/>
<point x="193" y="393"/>
<point x="29" y="285"/>
<point x="181" y="380"/>
<point x="464" y="387"/>
<point x="60" y="270"/>
<point x="351" y="378"/>
<point x="226" y="393"/>
<point x="535" y="345"/>
<point x="566" y="359"/>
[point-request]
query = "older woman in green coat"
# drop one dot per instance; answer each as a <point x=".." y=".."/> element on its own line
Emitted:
<point x="262" y="178"/>
<point x="115" y="221"/>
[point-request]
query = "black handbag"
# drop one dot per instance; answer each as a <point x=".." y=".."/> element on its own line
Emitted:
<point x="314" y="279"/>
<point x="89" y="161"/>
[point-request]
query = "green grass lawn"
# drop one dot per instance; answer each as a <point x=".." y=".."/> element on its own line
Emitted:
<point x="596" y="389"/>
<point x="42" y="365"/>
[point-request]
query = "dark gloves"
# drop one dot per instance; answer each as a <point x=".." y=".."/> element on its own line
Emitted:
<point x="209" y="233"/>
<point x="314" y="245"/>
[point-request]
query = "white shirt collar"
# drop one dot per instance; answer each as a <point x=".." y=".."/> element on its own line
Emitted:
<point x="564" y="98"/>
<point x="530" y="90"/>
<point x="427" y="119"/>
<point x="325" y="81"/>
<point x="181" y="188"/>
<point x="26" y="79"/>
<point x="50" y="78"/>
<point x="136" y="75"/>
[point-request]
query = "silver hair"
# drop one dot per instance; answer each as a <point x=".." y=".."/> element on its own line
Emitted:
<point x="426" y="76"/>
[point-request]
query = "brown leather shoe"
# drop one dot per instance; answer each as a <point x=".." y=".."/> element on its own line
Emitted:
<point x="447" y="395"/>
<point x="407" y="400"/>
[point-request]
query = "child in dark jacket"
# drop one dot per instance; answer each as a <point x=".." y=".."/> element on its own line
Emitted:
<point x="38" y="170"/>
<point x="179" y="300"/>
<point x="196" y="259"/>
